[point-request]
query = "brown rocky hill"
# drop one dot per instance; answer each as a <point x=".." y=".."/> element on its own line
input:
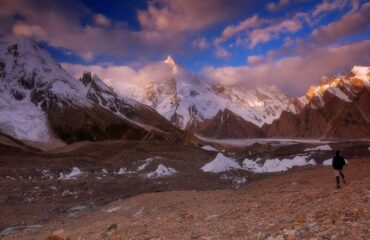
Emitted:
<point x="227" y="124"/>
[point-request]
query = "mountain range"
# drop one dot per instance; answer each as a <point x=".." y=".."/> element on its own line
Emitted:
<point x="338" y="107"/>
<point x="40" y="102"/>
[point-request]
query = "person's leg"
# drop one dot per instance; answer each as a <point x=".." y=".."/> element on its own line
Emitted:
<point x="337" y="177"/>
<point x="342" y="175"/>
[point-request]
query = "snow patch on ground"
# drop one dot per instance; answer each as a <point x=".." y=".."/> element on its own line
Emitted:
<point x="46" y="174"/>
<point x="209" y="148"/>
<point x="276" y="165"/>
<point x="319" y="148"/>
<point x="75" y="173"/>
<point x="312" y="162"/>
<point x="74" y="211"/>
<point x="327" y="162"/>
<point x="10" y="230"/>
<point x="161" y="171"/>
<point x="145" y="164"/>
<point x="221" y="164"/>
<point x="110" y="210"/>
<point x="122" y="171"/>
<point x="237" y="182"/>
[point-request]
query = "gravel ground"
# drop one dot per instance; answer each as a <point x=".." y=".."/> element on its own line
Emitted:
<point x="299" y="204"/>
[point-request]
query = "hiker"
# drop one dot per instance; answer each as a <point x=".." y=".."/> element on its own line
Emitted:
<point x="338" y="163"/>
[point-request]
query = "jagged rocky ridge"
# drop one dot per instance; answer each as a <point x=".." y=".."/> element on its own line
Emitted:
<point x="40" y="101"/>
<point x="335" y="108"/>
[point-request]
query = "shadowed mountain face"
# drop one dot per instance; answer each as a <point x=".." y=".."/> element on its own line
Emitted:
<point x="39" y="101"/>
<point x="227" y="124"/>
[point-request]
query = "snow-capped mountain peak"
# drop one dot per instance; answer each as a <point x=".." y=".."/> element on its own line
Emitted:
<point x="39" y="99"/>
<point x="31" y="82"/>
<point x="344" y="87"/>
<point x="171" y="62"/>
<point x="35" y="70"/>
<point x="361" y="72"/>
<point x="187" y="100"/>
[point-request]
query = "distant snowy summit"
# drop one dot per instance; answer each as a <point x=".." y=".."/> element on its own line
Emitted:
<point x="189" y="102"/>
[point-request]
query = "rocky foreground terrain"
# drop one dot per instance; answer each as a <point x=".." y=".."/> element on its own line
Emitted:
<point x="301" y="203"/>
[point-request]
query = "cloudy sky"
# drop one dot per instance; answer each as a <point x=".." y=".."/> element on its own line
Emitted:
<point x="288" y="43"/>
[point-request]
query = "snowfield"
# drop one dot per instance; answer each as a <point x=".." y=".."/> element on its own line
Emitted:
<point x="121" y="171"/>
<point x="221" y="164"/>
<point x="209" y="148"/>
<point x="327" y="162"/>
<point x="145" y="164"/>
<point x="277" y="165"/>
<point x="74" y="174"/>
<point x="161" y="171"/>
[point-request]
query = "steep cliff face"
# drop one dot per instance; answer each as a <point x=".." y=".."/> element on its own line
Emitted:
<point x="227" y="124"/>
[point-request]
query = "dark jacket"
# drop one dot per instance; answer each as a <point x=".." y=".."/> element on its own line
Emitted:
<point x="338" y="162"/>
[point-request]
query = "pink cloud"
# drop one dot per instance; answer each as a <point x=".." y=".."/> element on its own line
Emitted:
<point x="260" y="30"/>
<point x="295" y="73"/>
<point x="266" y="34"/>
<point x="102" y="20"/>
<point x="165" y="26"/>
<point x="273" y="7"/>
<point x="254" y="59"/>
<point x="24" y="30"/>
<point x="221" y="53"/>
<point x="232" y="30"/>
<point x="200" y="43"/>
<point x="180" y="16"/>
<point x="327" y="6"/>
<point x="351" y="23"/>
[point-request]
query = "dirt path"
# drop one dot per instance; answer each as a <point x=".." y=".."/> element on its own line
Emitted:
<point x="299" y="204"/>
